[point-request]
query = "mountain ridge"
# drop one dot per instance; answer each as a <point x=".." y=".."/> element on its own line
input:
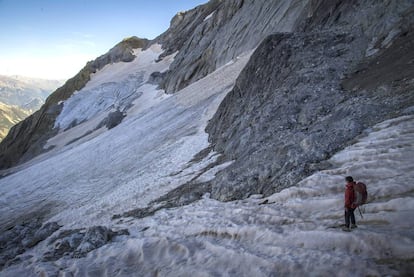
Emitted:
<point x="203" y="28"/>
<point x="306" y="101"/>
<point x="223" y="145"/>
<point x="191" y="63"/>
<point x="27" y="138"/>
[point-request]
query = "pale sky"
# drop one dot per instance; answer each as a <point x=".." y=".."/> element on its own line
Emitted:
<point x="53" y="39"/>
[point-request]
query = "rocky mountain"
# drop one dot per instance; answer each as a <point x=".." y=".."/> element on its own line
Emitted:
<point x="324" y="90"/>
<point x="27" y="139"/>
<point x="220" y="147"/>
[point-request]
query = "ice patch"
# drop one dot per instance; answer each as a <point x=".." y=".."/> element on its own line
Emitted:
<point x="209" y="16"/>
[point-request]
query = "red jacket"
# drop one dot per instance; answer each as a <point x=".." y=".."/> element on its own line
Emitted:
<point x="349" y="196"/>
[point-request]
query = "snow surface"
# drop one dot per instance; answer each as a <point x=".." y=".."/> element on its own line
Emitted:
<point x="113" y="87"/>
<point x="296" y="233"/>
<point x="116" y="86"/>
<point x="126" y="167"/>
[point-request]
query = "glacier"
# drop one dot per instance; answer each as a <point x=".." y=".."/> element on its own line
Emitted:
<point x="131" y="200"/>
<point x="127" y="166"/>
<point x="294" y="232"/>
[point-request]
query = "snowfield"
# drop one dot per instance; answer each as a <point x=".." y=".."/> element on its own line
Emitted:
<point x="109" y="172"/>
<point x="295" y="232"/>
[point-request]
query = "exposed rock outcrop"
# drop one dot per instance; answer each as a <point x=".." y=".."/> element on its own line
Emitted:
<point x="74" y="243"/>
<point x="21" y="237"/>
<point x="306" y="95"/>
<point x="322" y="73"/>
<point x="113" y="119"/>
<point x="211" y="35"/>
<point x="79" y="242"/>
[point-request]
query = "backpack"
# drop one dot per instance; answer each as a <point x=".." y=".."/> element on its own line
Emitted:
<point x="360" y="194"/>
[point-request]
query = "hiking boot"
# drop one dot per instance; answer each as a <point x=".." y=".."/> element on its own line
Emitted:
<point x="346" y="229"/>
<point x="353" y="226"/>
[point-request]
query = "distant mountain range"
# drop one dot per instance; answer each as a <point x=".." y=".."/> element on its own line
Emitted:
<point x="10" y="116"/>
<point x="21" y="96"/>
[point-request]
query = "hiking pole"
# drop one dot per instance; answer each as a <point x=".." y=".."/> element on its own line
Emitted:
<point x="360" y="212"/>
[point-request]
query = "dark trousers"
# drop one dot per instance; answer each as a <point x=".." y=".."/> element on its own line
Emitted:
<point x="349" y="216"/>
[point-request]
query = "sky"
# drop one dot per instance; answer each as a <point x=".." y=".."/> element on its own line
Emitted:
<point x="53" y="39"/>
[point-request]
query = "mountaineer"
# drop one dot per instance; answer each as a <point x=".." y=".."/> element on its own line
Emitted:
<point x="349" y="204"/>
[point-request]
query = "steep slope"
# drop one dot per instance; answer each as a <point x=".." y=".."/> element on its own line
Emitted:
<point x="131" y="165"/>
<point x="204" y="39"/>
<point x="211" y="35"/>
<point x="26" y="140"/>
<point x="132" y="177"/>
<point x="321" y="88"/>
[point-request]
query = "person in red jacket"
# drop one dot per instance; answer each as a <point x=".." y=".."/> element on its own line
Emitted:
<point x="349" y="204"/>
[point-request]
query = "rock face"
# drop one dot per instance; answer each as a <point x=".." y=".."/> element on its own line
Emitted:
<point x="213" y="34"/>
<point x="26" y="139"/>
<point x="206" y="38"/>
<point x="79" y="242"/>
<point x="305" y="95"/>
<point x="325" y="71"/>
<point x="321" y="77"/>
<point x="21" y="237"/>
<point x="322" y="71"/>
